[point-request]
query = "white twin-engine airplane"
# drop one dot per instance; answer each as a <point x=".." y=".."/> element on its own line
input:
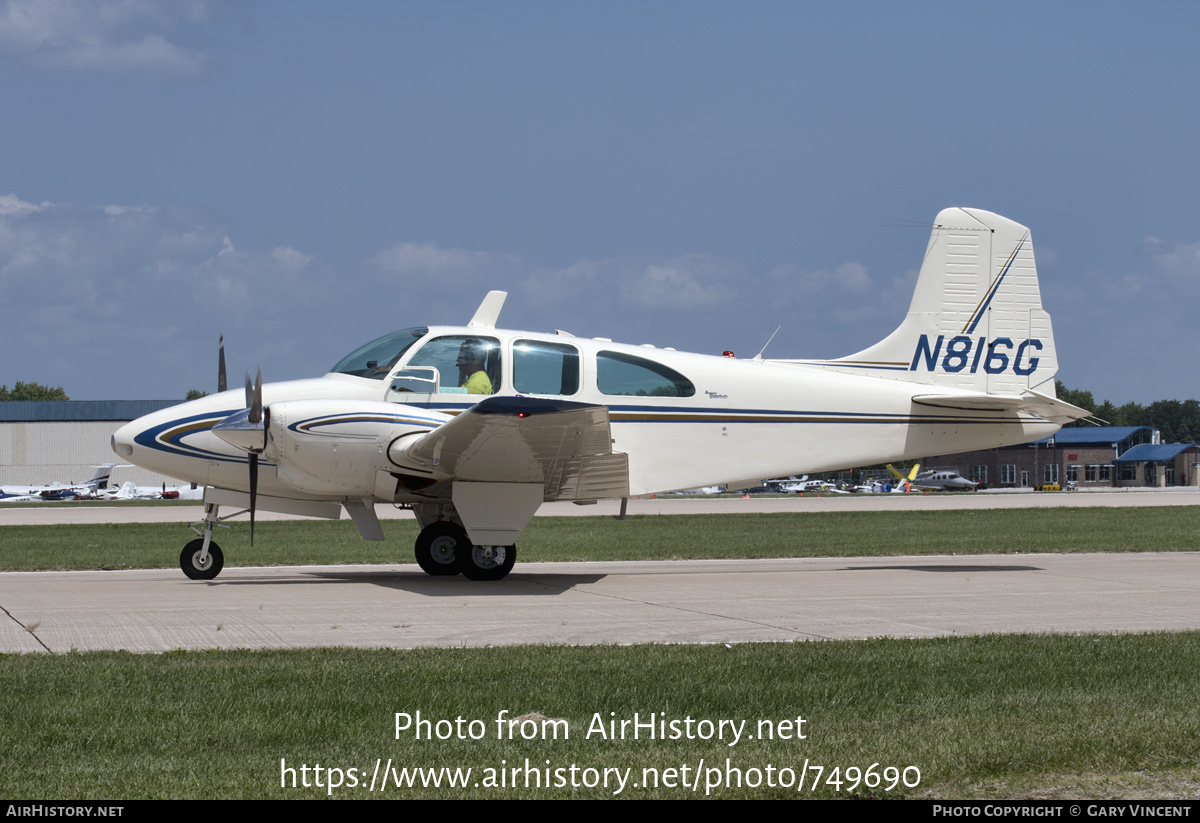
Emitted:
<point x="404" y="419"/>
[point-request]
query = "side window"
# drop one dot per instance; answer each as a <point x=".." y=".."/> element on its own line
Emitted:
<point x="545" y="368"/>
<point x="626" y="375"/>
<point x="466" y="364"/>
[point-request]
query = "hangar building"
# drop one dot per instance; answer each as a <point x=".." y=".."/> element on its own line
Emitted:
<point x="44" y="442"/>
<point x="1088" y="456"/>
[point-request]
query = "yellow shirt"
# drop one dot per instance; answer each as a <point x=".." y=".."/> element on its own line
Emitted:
<point x="478" y="383"/>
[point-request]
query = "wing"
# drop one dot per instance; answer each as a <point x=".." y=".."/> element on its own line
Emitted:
<point x="565" y="446"/>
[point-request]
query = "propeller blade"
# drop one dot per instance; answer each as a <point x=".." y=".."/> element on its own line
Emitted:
<point x="256" y="407"/>
<point x="221" y="383"/>
<point x="249" y="391"/>
<point x="253" y="491"/>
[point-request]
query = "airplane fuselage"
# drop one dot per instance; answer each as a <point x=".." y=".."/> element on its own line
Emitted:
<point x="684" y="420"/>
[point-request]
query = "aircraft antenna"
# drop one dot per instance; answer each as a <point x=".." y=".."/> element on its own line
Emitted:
<point x="758" y="357"/>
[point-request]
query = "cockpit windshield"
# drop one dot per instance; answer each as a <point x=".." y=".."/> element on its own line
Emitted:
<point x="376" y="359"/>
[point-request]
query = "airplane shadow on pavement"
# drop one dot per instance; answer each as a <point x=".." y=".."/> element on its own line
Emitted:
<point x="517" y="584"/>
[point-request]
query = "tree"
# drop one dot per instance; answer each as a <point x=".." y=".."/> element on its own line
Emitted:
<point x="1133" y="414"/>
<point x="1178" y="422"/>
<point x="1109" y="413"/>
<point x="1076" y="397"/>
<point x="195" y="394"/>
<point x="32" y="391"/>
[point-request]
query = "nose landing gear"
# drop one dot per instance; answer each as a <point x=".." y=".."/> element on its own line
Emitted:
<point x="199" y="564"/>
<point x="202" y="559"/>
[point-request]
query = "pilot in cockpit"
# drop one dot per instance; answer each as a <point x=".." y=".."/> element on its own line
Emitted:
<point x="471" y="359"/>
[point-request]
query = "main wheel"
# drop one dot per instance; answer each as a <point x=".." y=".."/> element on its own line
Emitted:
<point x="488" y="562"/>
<point x="440" y="546"/>
<point x="189" y="560"/>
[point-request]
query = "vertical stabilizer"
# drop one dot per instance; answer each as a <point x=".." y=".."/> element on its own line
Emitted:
<point x="976" y="320"/>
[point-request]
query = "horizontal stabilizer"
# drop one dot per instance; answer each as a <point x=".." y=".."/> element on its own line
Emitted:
<point x="565" y="446"/>
<point x="1044" y="406"/>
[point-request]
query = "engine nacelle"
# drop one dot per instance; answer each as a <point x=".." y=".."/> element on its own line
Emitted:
<point x="337" y="447"/>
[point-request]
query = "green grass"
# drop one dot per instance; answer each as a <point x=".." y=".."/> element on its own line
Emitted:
<point x="1091" y="716"/>
<point x="991" y="717"/>
<point x="809" y="534"/>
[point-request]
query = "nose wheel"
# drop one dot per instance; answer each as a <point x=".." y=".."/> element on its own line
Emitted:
<point x="202" y="559"/>
<point x="443" y="548"/>
<point x="198" y="564"/>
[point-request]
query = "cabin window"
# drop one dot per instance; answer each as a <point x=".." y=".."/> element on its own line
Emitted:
<point x="545" y="368"/>
<point x="466" y="363"/>
<point x="376" y="359"/>
<point x="629" y="376"/>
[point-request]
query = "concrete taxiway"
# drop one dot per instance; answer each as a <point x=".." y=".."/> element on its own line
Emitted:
<point x="713" y="601"/>
<point x="664" y="505"/>
<point x="704" y="601"/>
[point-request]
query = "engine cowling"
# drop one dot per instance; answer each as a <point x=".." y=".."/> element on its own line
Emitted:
<point x="338" y="447"/>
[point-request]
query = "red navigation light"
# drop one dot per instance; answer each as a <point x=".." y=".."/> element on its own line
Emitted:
<point x="727" y="354"/>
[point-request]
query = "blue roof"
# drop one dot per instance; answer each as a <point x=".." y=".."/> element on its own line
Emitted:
<point x="1104" y="435"/>
<point x="1149" y="453"/>
<point x="47" y="411"/>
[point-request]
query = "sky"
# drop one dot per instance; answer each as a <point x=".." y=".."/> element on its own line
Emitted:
<point x="303" y="177"/>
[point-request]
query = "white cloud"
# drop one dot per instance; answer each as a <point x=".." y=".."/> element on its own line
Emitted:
<point x="289" y="258"/>
<point x="427" y="258"/>
<point x="13" y="206"/>
<point x="119" y="211"/>
<point x="163" y="282"/>
<point x="690" y="281"/>
<point x="108" y="35"/>
<point x="1181" y="262"/>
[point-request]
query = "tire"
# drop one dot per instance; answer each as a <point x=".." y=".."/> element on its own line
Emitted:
<point x="189" y="560"/>
<point x="440" y="547"/>
<point x="488" y="562"/>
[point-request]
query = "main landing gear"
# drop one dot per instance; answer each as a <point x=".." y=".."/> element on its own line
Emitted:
<point x="443" y="548"/>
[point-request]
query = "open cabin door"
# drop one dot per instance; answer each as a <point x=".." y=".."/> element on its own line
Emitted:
<point x="415" y="386"/>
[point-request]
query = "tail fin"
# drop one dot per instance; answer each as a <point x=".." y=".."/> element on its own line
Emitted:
<point x="976" y="320"/>
<point x="912" y="473"/>
<point x="100" y="479"/>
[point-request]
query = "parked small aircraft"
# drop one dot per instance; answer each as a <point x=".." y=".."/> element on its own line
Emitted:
<point x="61" y="491"/>
<point x="802" y="485"/>
<point x="404" y="419"/>
<point x="905" y="482"/>
<point x="940" y="479"/>
<point x="945" y="479"/>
